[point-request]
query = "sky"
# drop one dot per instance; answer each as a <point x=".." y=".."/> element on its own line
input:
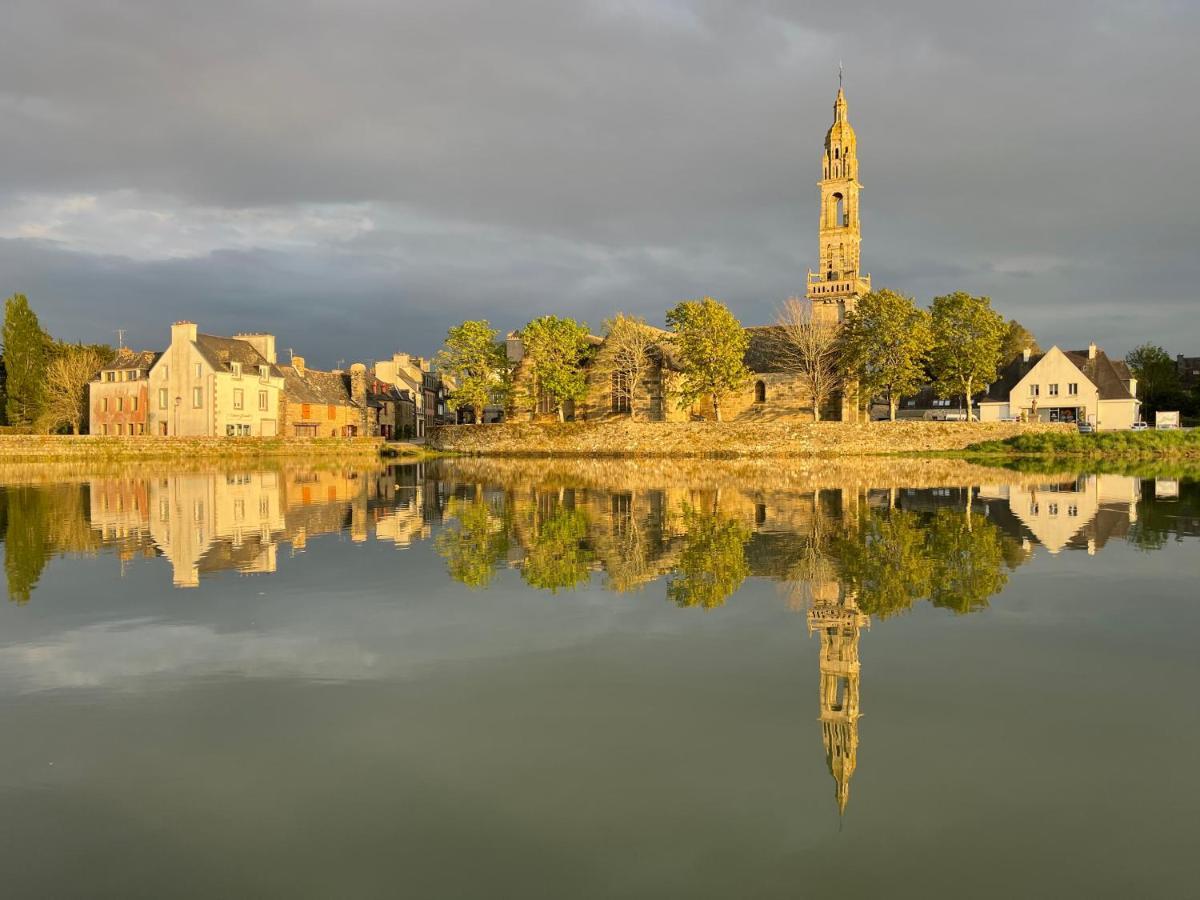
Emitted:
<point x="356" y="176"/>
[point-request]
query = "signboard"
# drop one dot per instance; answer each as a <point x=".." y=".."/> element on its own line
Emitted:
<point x="1163" y="419"/>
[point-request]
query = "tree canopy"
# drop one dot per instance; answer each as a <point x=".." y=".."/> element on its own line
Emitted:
<point x="713" y="562"/>
<point x="1158" y="378"/>
<point x="710" y="346"/>
<point x="25" y="346"/>
<point x="885" y="342"/>
<point x="557" y="349"/>
<point x="477" y="365"/>
<point x="1017" y="338"/>
<point x="967" y="339"/>
<point x="624" y="361"/>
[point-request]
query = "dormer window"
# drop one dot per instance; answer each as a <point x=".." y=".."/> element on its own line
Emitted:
<point x="237" y="369"/>
<point x="263" y="373"/>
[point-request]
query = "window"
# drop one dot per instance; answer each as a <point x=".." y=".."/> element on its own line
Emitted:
<point x="263" y="373"/>
<point x="620" y="392"/>
<point x="1033" y="509"/>
<point x="228" y="431"/>
<point x="199" y="371"/>
<point x="262" y="400"/>
<point x="1072" y="510"/>
<point x="1053" y="390"/>
<point x="760" y="392"/>
<point x="1033" y="390"/>
<point x="197" y="397"/>
<point x="237" y="369"/>
<point x="134" y="375"/>
<point x="120" y="404"/>
<point x="545" y="405"/>
<point x="104" y="405"/>
<point x="1053" y="508"/>
<point x="331" y="411"/>
<point x="121" y="429"/>
<point x="239" y="398"/>
<point x="110" y="376"/>
<point x="1073" y="389"/>
<point x="162" y="428"/>
<point x="162" y="398"/>
<point x="141" y="428"/>
<point x="305" y="411"/>
<point x="133" y="403"/>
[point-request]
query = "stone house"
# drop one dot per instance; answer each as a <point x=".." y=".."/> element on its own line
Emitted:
<point x="119" y="397"/>
<point x="415" y="375"/>
<point x="204" y="385"/>
<point x="1064" y="386"/>
<point x="321" y="404"/>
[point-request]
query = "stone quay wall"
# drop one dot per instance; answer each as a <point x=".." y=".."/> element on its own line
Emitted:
<point x="57" y="447"/>
<point x="724" y="439"/>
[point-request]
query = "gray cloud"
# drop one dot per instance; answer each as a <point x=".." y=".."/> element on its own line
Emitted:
<point x="357" y="176"/>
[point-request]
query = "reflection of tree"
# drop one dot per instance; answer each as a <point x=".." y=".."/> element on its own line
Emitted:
<point x="970" y="556"/>
<point x="40" y="522"/>
<point x="955" y="558"/>
<point x="713" y="562"/>
<point x="476" y="543"/>
<point x="886" y="563"/>
<point x="559" y="556"/>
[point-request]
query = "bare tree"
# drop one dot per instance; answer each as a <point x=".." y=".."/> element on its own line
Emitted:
<point x="625" y="359"/>
<point x="67" y="377"/>
<point x="809" y="349"/>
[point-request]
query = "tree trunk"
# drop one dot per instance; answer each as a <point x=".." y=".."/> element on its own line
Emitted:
<point x="562" y="414"/>
<point x="892" y="408"/>
<point x="716" y="408"/>
<point x="967" y="398"/>
<point x="477" y="412"/>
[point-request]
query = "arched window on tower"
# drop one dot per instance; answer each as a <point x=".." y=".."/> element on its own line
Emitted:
<point x="760" y="392"/>
<point x="838" y="209"/>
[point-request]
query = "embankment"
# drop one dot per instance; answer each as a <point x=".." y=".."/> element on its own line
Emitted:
<point x="1105" y="445"/>
<point x="725" y="439"/>
<point x="99" y="448"/>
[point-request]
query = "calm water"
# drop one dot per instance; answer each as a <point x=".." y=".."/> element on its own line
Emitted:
<point x="532" y="679"/>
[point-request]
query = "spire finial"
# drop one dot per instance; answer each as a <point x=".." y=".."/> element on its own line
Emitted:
<point x="839" y="74"/>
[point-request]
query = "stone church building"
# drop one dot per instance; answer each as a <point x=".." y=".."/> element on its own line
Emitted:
<point x="772" y="392"/>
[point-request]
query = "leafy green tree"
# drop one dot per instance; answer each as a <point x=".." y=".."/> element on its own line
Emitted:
<point x="1157" y="375"/>
<point x="711" y="346"/>
<point x="886" y="562"/>
<point x="713" y="562"/>
<point x="559" y="556"/>
<point x="558" y="349"/>
<point x="1016" y="339"/>
<point x="885" y="342"/>
<point x="967" y="339"/>
<point x="477" y="363"/>
<point x="24" y="361"/>
<point x="477" y="543"/>
<point x="26" y="540"/>
<point x="3" y="392"/>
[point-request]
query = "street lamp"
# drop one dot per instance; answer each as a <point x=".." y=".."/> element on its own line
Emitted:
<point x="178" y="400"/>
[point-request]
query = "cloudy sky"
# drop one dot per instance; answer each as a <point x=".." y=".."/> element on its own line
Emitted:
<point x="357" y="176"/>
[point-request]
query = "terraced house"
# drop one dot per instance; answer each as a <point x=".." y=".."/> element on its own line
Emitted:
<point x="204" y="385"/>
<point x="321" y="404"/>
<point x="118" y="396"/>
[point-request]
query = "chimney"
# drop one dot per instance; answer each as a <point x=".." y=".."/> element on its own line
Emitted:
<point x="1092" y="350"/>
<point x="1026" y="353"/>
<point x="358" y="384"/>
<point x="1132" y="387"/>
<point x="182" y="332"/>
<point x="263" y="343"/>
<point x="514" y="347"/>
<point x="298" y="365"/>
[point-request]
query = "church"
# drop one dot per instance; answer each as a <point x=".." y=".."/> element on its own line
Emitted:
<point x="773" y="392"/>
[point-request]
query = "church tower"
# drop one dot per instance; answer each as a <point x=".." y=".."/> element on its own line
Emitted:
<point x="838" y="282"/>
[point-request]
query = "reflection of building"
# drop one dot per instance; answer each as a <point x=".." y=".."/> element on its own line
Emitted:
<point x="1081" y="513"/>
<point x="834" y="615"/>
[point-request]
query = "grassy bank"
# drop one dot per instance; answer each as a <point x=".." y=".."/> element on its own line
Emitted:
<point x="1114" y="445"/>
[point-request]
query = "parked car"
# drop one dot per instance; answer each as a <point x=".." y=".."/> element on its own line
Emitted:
<point x="1087" y="428"/>
<point x="1139" y="426"/>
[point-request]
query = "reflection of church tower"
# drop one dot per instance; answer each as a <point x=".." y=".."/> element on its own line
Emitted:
<point x="838" y="282"/>
<point x="834" y="615"/>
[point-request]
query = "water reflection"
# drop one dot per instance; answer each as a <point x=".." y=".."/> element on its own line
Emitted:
<point x="842" y="550"/>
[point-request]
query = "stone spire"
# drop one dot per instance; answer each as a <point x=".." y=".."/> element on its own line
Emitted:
<point x="838" y="281"/>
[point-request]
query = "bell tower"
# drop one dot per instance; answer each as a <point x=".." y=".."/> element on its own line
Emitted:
<point x="835" y="286"/>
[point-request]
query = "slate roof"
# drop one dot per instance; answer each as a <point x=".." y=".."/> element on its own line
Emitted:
<point x="134" y="359"/>
<point x="222" y="351"/>
<point x="1110" y="377"/>
<point x="327" y="388"/>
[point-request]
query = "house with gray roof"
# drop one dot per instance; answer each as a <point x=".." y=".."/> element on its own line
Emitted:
<point x="1076" y="386"/>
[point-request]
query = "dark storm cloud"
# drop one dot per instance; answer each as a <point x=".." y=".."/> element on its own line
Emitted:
<point x="522" y="157"/>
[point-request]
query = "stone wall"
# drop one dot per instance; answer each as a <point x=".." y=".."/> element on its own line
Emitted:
<point x="682" y="439"/>
<point x="33" y="447"/>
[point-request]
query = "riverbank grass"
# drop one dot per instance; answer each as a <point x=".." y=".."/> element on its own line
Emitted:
<point x="1106" y="444"/>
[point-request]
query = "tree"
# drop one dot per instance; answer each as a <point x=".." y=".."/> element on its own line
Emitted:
<point x="1157" y="376"/>
<point x="1017" y="338"/>
<point x="711" y="345"/>
<point x="713" y="562"/>
<point x="65" y="396"/>
<point x="808" y="348"/>
<point x="559" y="556"/>
<point x="967" y="339"/>
<point x="625" y="360"/>
<point x="477" y="363"/>
<point x="24" y="361"/>
<point x="884" y="345"/>
<point x="557" y="349"/>
<point x="886" y="563"/>
<point x="970" y="555"/>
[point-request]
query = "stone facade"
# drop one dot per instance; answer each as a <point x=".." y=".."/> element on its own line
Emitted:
<point x="119" y="397"/>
